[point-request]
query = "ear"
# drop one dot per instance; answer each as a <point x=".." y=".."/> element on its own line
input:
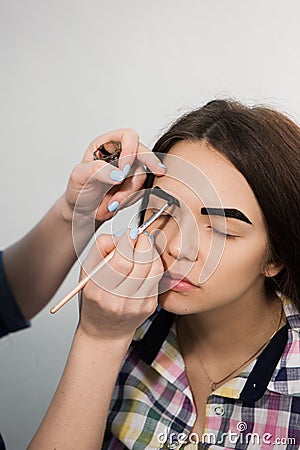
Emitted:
<point x="272" y="269"/>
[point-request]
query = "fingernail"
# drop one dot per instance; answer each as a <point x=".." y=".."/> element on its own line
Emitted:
<point x="126" y="169"/>
<point x="120" y="232"/>
<point x="117" y="175"/>
<point x="162" y="165"/>
<point x="113" y="206"/>
<point x="134" y="233"/>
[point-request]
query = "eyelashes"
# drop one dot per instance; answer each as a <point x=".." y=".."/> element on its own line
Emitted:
<point x="220" y="233"/>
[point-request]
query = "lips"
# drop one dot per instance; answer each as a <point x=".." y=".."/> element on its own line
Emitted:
<point x="178" y="277"/>
<point x="177" y="282"/>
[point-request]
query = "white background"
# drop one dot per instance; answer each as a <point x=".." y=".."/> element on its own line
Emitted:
<point x="74" y="69"/>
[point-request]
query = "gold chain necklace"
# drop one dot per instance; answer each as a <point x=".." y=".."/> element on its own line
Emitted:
<point x="213" y="384"/>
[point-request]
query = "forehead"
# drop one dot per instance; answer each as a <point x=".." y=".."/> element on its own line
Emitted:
<point x="199" y="175"/>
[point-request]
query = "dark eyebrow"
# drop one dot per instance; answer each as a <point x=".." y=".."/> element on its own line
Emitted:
<point x="227" y="212"/>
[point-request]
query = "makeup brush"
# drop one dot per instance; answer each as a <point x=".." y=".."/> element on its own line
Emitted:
<point x="156" y="191"/>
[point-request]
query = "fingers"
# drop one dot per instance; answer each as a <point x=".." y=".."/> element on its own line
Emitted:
<point x="129" y="192"/>
<point x="140" y="152"/>
<point x="146" y="275"/>
<point x="120" y="300"/>
<point x="150" y="160"/>
<point x="119" y="267"/>
<point x="104" y="245"/>
<point x="129" y="143"/>
<point x="134" y="270"/>
<point x="131" y="149"/>
<point x="96" y="171"/>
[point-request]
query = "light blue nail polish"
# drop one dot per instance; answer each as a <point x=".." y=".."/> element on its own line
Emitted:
<point x="120" y="232"/>
<point x="162" y="165"/>
<point x="116" y="175"/>
<point x="134" y="233"/>
<point x="113" y="206"/>
<point x="126" y="169"/>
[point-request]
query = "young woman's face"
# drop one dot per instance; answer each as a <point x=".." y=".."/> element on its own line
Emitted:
<point x="216" y="242"/>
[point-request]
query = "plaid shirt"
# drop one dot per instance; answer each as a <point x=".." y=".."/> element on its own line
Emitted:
<point x="152" y="405"/>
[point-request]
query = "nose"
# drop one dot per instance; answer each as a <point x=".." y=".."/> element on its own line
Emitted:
<point x="182" y="241"/>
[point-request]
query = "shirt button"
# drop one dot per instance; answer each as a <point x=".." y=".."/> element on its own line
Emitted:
<point x="219" y="410"/>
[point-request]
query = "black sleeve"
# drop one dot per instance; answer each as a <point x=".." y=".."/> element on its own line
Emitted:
<point x="11" y="318"/>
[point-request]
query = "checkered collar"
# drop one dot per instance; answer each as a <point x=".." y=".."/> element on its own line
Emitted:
<point x="277" y="368"/>
<point x="286" y="376"/>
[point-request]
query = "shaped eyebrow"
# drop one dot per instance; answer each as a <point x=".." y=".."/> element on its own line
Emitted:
<point x="159" y="192"/>
<point x="227" y="212"/>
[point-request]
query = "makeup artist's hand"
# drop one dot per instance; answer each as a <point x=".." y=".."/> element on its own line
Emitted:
<point x="104" y="333"/>
<point x="124" y="292"/>
<point x="99" y="187"/>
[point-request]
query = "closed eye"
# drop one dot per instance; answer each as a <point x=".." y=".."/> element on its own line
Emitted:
<point x="221" y="233"/>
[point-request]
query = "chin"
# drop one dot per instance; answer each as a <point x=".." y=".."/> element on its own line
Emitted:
<point x="175" y="303"/>
<point x="183" y="304"/>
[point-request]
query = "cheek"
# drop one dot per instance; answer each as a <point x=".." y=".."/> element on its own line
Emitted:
<point x="242" y="260"/>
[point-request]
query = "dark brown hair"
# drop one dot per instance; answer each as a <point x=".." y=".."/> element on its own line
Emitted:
<point x="264" y="145"/>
